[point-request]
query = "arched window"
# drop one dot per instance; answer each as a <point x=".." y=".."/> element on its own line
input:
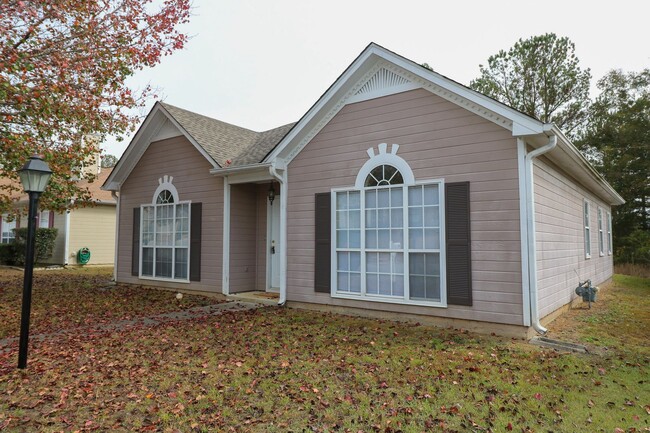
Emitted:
<point x="389" y="232"/>
<point x="165" y="234"/>
<point x="165" y="197"/>
<point x="384" y="175"/>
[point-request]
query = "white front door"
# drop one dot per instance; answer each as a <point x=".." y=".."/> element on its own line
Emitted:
<point x="274" y="245"/>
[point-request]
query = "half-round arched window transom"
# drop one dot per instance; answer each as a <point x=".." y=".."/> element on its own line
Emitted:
<point x="384" y="175"/>
<point x="165" y="197"/>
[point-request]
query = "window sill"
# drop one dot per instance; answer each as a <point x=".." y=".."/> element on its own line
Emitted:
<point x="166" y="280"/>
<point x="388" y="300"/>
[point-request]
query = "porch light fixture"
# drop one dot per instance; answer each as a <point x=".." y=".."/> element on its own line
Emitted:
<point x="271" y="193"/>
<point x="34" y="176"/>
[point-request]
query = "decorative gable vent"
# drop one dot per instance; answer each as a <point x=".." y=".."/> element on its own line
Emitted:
<point x="383" y="79"/>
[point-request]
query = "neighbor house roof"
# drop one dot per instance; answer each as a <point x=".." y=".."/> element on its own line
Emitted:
<point x="97" y="194"/>
<point x="95" y="187"/>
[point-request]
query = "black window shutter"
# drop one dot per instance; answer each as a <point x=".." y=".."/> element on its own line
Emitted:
<point x="135" y="252"/>
<point x="195" y="242"/>
<point x="322" y="256"/>
<point x="459" y="263"/>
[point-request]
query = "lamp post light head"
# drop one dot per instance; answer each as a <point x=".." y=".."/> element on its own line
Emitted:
<point x="35" y="174"/>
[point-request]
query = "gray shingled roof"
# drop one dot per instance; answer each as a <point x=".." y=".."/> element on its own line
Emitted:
<point x="264" y="143"/>
<point x="224" y="141"/>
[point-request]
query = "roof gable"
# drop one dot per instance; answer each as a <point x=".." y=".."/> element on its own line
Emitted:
<point x="221" y="143"/>
<point x="378" y="72"/>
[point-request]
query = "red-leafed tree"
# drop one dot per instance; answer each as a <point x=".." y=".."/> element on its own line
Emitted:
<point x="63" y="71"/>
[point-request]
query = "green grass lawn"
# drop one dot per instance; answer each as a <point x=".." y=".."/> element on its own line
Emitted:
<point x="280" y="370"/>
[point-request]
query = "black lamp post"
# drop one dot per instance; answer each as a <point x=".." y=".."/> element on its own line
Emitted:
<point x="34" y="176"/>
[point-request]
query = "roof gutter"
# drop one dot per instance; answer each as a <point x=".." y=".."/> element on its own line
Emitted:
<point x="609" y="193"/>
<point x="530" y="232"/>
<point x="225" y="171"/>
<point x="282" y="179"/>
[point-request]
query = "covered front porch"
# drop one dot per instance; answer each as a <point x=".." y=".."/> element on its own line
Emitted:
<point x="254" y="209"/>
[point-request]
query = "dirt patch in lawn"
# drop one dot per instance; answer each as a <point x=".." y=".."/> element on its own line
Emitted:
<point x="618" y="322"/>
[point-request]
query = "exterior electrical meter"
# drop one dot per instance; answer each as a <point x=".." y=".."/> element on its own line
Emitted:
<point x="587" y="291"/>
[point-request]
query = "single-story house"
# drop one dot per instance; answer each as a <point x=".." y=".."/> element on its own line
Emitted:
<point x="400" y="193"/>
<point x="83" y="227"/>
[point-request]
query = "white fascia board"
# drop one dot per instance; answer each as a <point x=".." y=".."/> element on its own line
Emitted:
<point x="337" y="96"/>
<point x="485" y="102"/>
<point x="521" y="130"/>
<point x="321" y="105"/>
<point x="125" y="164"/>
<point x="191" y="139"/>
<point x="572" y="159"/>
<point x="245" y="173"/>
<point x="140" y="143"/>
<point x="227" y="171"/>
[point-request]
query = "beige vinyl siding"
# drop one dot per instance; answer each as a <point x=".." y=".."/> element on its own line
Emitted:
<point x="93" y="228"/>
<point x="439" y="140"/>
<point x="58" y="254"/>
<point x="178" y="158"/>
<point x="243" y="234"/>
<point x="561" y="258"/>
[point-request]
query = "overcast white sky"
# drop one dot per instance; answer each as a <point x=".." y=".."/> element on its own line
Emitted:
<point x="261" y="64"/>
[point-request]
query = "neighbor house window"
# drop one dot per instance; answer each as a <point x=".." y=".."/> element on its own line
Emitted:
<point x="609" y="233"/>
<point x="44" y="219"/>
<point x="7" y="229"/>
<point x="165" y="236"/>
<point x="388" y="236"/>
<point x="601" y="239"/>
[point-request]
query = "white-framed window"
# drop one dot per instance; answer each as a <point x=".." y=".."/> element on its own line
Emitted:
<point x="7" y="227"/>
<point x="44" y="219"/>
<point x="601" y="234"/>
<point x="388" y="233"/>
<point x="587" y="230"/>
<point x="165" y="236"/>
<point x="609" y="233"/>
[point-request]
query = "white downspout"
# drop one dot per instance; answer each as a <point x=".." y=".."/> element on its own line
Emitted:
<point x="282" y="179"/>
<point x="532" y="249"/>
<point x="66" y="243"/>
<point x="117" y="232"/>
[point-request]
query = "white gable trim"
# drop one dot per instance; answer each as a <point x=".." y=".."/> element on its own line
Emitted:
<point x="347" y="89"/>
<point x="167" y="130"/>
<point x="159" y="123"/>
<point x="382" y="83"/>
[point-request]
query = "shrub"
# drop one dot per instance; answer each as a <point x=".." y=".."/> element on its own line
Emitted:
<point x="45" y="240"/>
<point x="7" y="254"/>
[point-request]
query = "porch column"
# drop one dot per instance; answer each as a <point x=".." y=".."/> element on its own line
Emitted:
<point x="225" y="271"/>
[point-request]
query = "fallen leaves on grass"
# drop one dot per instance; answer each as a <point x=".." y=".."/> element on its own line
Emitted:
<point x="72" y="298"/>
<point x="279" y="370"/>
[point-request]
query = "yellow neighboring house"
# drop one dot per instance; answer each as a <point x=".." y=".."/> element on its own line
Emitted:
<point x="91" y="227"/>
